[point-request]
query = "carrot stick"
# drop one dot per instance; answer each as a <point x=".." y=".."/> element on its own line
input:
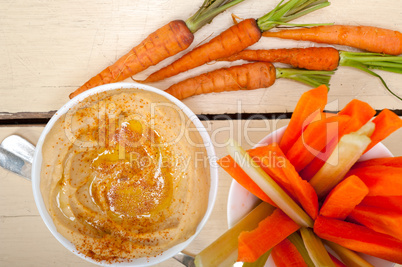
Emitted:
<point x="255" y="243"/>
<point x="368" y="38"/>
<point x="314" y="138"/>
<point x="309" y="103"/>
<point x="272" y="160"/>
<point x="233" y="169"/>
<point x="165" y="42"/>
<point x="391" y="203"/>
<point x="236" y="38"/>
<point x="382" y="221"/>
<point x="391" y="161"/>
<point x="341" y="201"/>
<point x="275" y="164"/>
<point x="312" y="58"/>
<point x="381" y="180"/>
<point x="285" y="254"/>
<point x="386" y="123"/>
<point x="360" y="113"/>
<point x="244" y="77"/>
<point x="359" y="238"/>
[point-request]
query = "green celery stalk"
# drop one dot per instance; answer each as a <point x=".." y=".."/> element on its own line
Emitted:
<point x="260" y="262"/>
<point x="269" y="186"/>
<point x="223" y="251"/>
<point x="318" y="254"/>
<point x="348" y="151"/>
<point x="350" y="258"/>
<point x="297" y="241"/>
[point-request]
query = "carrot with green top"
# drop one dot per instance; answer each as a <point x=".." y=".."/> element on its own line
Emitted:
<point x="324" y="58"/>
<point x="367" y="38"/>
<point x="165" y="42"/>
<point x="244" y="77"/>
<point x="238" y="37"/>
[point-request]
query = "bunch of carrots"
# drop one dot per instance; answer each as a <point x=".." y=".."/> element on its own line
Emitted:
<point x="382" y="45"/>
<point x="314" y="192"/>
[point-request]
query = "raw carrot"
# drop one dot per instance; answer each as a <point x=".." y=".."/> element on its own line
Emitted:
<point x="391" y="203"/>
<point x="314" y="138"/>
<point x="236" y="38"/>
<point x="244" y="77"/>
<point x="272" y="160"/>
<point x="381" y="180"/>
<point x="309" y="104"/>
<point x="341" y="201"/>
<point x="165" y="42"/>
<point x="275" y="164"/>
<point x="285" y="254"/>
<point x="368" y="38"/>
<point x="229" y="165"/>
<point x="312" y="58"/>
<point x="325" y="58"/>
<point x="391" y="161"/>
<point x="386" y="123"/>
<point x="379" y="220"/>
<point x="359" y="238"/>
<point x="255" y="243"/>
<point x="360" y="113"/>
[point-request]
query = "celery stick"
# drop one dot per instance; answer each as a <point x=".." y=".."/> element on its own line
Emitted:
<point x="350" y="258"/>
<point x="223" y="251"/>
<point x="296" y="240"/>
<point x="366" y="129"/>
<point x="318" y="254"/>
<point x="348" y="151"/>
<point x="269" y="186"/>
<point x="260" y="262"/>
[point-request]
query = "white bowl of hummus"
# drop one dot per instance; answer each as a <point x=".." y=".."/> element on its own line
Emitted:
<point x="124" y="174"/>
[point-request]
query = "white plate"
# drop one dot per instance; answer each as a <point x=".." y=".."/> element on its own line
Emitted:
<point x="241" y="201"/>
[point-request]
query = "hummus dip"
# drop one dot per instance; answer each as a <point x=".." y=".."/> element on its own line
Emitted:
<point x="125" y="175"/>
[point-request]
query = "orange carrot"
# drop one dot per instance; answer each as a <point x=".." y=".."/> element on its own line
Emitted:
<point x="386" y="123"/>
<point x="272" y="160"/>
<point x="363" y="37"/>
<point x="360" y="113"/>
<point x="381" y="180"/>
<point x="359" y="238"/>
<point x="379" y="220"/>
<point x="255" y="243"/>
<point x="309" y="104"/>
<point x="314" y="138"/>
<point x="223" y="45"/>
<point x="391" y="161"/>
<point x="244" y="77"/>
<point x="312" y="58"/>
<point x="236" y="38"/>
<point x="344" y="198"/>
<point x="165" y="42"/>
<point x="285" y="254"/>
<point x="391" y="203"/>
<point x="275" y="164"/>
<point x="233" y="169"/>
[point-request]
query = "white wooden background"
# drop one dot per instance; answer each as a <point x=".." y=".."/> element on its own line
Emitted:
<point x="50" y="48"/>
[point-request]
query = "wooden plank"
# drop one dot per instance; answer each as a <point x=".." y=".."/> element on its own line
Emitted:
<point x="25" y="241"/>
<point x="51" y="48"/>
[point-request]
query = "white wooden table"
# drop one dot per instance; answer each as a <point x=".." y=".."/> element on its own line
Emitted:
<point x="49" y="48"/>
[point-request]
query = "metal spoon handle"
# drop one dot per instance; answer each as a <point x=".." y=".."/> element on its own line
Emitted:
<point x="16" y="155"/>
<point x="185" y="259"/>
